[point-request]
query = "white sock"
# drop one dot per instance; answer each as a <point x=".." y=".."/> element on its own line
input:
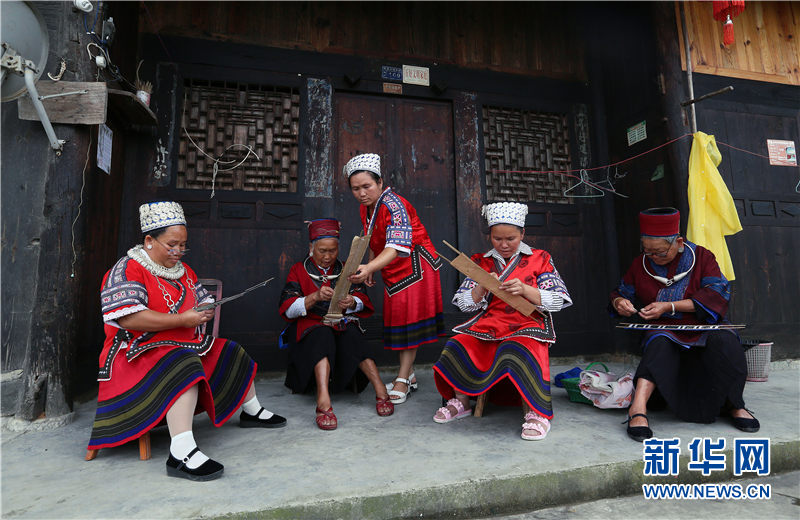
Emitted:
<point x="180" y="447"/>
<point x="252" y="407"/>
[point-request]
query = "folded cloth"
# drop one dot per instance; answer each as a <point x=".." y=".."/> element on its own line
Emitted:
<point x="575" y="372"/>
<point x="605" y="389"/>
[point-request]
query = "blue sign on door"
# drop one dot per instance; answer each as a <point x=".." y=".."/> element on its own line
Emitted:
<point x="391" y="73"/>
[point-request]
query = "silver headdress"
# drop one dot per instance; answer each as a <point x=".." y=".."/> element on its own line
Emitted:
<point x="505" y="213"/>
<point x="370" y="162"/>
<point x="157" y="215"/>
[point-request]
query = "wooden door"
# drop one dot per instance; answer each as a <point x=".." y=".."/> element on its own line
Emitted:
<point x="415" y="141"/>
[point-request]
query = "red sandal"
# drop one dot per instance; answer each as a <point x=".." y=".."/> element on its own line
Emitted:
<point x="384" y="406"/>
<point x="327" y="415"/>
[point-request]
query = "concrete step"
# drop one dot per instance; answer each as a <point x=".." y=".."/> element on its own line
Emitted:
<point x="401" y="466"/>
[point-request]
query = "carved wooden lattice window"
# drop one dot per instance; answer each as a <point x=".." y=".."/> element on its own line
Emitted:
<point x="523" y="140"/>
<point x="217" y="115"/>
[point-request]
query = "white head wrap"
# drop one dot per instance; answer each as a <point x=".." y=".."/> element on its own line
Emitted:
<point x="505" y="213"/>
<point x="157" y="215"/>
<point x="370" y="162"/>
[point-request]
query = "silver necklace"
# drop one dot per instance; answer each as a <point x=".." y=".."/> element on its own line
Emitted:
<point x="138" y="253"/>
<point x="167" y="298"/>
<point x="678" y="277"/>
<point x="191" y="285"/>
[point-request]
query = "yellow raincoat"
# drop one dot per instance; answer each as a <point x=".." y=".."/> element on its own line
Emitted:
<point x="712" y="213"/>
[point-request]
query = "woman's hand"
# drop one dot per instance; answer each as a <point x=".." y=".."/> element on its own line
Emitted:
<point x="193" y="318"/>
<point x="324" y="294"/>
<point x="655" y="310"/>
<point x="479" y="292"/>
<point x="513" y="286"/>
<point x="149" y="320"/>
<point x="624" y="307"/>
<point x="347" y="302"/>
<point x="362" y="275"/>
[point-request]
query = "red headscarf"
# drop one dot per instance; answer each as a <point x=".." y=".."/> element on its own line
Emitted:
<point x="323" y="228"/>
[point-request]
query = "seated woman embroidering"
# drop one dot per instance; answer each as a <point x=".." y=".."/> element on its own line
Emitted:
<point x="333" y="353"/>
<point x="697" y="374"/>
<point x="156" y="364"/>
<point x="500" y="350"/>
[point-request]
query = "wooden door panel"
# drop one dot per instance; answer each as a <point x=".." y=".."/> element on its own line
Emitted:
<point x="415" y="141"/>
<point x="360" y="127"/>
<point x="426" y="177"/>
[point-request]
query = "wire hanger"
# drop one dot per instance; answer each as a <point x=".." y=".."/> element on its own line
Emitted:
<point x="591" y="191"/>
<point x="608" y="182"/>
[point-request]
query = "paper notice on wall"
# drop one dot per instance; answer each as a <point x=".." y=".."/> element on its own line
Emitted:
<point x="105" y="137"/>
<point x="781" y="153"/>
<point x="637" y="133"/>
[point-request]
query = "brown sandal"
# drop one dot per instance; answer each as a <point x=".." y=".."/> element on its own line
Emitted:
<point x="384" y="406"/>
<point x="326" y="421"/>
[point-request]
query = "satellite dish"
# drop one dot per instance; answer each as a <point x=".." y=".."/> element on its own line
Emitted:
<point x="23" y="31"/>
<point x="25" y="39"/>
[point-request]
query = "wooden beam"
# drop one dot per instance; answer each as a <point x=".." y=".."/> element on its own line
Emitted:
<point x="74" y="102"/>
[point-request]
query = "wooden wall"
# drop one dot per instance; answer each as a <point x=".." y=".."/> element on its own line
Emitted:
<point x="766" y="46"/>
<point x="766" y="253"/>
<point x="531" y="38"/>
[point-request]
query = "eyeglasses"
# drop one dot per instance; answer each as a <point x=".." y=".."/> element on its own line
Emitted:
<point x="659" y="254"/>
<point x="174" y="252"/>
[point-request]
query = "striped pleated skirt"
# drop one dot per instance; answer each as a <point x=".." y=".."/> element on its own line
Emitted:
<point x="515" y="370"/>
<point x="141" y="391"/>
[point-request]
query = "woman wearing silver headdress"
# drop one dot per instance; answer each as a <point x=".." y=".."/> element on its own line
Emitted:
<point x="157" y="365"/>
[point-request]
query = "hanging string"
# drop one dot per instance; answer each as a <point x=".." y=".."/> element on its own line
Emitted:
<point x="72" y="228"/>
<point x="217" y="160"/>
<point x="745" y="151"/>
<point x="568" y="173"/>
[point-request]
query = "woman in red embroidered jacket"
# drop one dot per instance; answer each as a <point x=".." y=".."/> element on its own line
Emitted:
<point x="156" y="364"/>
<point x="320" y="348"/>
<point x="402" y="251"/>
<point x="500" y="350"/>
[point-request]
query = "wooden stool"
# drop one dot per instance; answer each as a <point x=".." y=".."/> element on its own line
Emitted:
<point x="144" y="449"/>
<point x="479" y="404"/>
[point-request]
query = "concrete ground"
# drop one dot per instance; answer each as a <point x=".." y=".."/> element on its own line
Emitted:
<point x="784" y="504"/>
<point x="402" y="466"/>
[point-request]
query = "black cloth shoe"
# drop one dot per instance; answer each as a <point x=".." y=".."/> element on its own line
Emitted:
<point x="209" y="470"/>
<point x="749" y="425"/>
<point x="252" y="421"/>
<point x="638" y="433"/>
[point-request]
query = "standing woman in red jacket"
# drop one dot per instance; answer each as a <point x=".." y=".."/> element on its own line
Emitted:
<point x="401" y="250"/>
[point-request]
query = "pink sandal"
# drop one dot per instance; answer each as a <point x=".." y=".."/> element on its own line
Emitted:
<point x="535" y="427"/>
<point x="448" y="415"/>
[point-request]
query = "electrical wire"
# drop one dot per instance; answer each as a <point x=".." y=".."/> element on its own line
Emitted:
<point x="110" y="67"/>
<point x="92" y="33"/>
<point x="72" y="228"/>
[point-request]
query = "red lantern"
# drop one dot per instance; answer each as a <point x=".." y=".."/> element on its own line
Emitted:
<point x="724" y="11"/>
